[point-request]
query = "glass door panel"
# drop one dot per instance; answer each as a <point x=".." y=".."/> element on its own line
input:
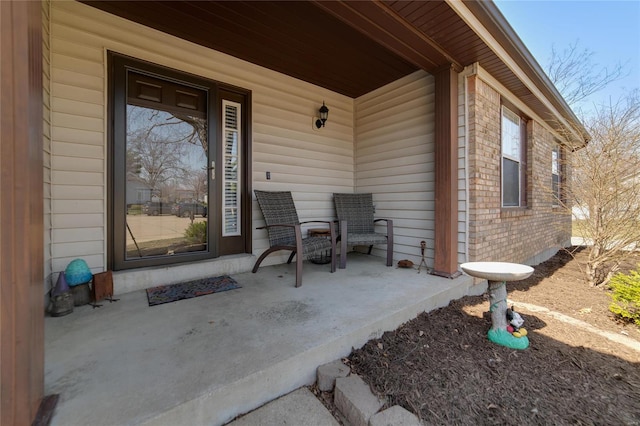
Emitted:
<point x="166" y="183"/>
<point x="179" y="169"/>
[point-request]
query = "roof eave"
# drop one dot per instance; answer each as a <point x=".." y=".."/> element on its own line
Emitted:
<point x="496" y="24"/>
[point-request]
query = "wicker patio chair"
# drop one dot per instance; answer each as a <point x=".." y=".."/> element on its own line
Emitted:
<point x="285" y="232"/>
<point x="357" y="225"/>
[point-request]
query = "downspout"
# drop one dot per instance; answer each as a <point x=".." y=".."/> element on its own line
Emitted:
<point x="466" y="73"/>
<point x="466" y="167"/>
<point x="48" y="280"/>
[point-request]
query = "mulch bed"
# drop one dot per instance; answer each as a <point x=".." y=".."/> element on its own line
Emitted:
<point x="441" y="366"/>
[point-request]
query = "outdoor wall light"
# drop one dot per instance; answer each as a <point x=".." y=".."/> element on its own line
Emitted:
<point x="324" y="113"/>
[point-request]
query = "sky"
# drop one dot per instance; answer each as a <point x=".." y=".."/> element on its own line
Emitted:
<point x="610" y="29"/>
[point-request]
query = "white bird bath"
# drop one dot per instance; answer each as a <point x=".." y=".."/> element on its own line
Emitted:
<point x="497" y="274"/>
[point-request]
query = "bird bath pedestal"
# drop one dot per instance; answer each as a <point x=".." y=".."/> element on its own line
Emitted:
<point x="497" y="274"/>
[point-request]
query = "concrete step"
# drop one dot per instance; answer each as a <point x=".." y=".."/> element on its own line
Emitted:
<point x="300" y="407"/>
<point x="328" y="373"/>
<point x="355" y="401"/>
<point x="394" y="416"/>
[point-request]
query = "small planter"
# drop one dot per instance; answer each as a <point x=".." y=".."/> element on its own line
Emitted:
<point x="81" y="294"/>
<point x="61" y="305"/>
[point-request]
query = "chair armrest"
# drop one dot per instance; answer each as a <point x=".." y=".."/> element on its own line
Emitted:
<point x="389" y="226"/>
<point x="386" y="220"/>
<point x="286" y="225"/>
<point x="315" y="221"/>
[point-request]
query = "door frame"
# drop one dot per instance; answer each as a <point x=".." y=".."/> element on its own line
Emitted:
<point x="117" y="98"/>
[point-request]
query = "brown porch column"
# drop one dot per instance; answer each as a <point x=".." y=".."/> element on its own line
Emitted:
<point x="446" y="172"/>
<point x="21" y="212"/>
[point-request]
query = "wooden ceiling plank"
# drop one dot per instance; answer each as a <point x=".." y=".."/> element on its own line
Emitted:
<point x="287" y="34"/>
<point x="253" y="27"/>
<point x="347" y="14"/>
<point x="325" y="37"/>
<point x="432" y="24"/>
<point x="411" y="10"/>
<point x="351" y="47"/>
<point x="171" y="18"/>
<point x="401" y="30"/>
<point x="436" y="18"/>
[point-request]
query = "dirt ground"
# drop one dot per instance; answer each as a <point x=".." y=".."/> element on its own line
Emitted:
<point x="441" y="367"/>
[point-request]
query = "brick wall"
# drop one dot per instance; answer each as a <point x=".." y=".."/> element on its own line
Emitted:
<point x="525" y="235"/>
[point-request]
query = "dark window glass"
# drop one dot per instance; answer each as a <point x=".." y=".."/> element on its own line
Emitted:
<point x="555" y="175"/>
<point x="510" y="183"/>
<point x="513" y="155"/>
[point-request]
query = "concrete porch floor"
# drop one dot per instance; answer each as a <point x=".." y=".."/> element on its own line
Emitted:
<point x="205" y="360"/>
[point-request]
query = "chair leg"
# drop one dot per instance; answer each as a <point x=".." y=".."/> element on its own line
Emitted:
<point x="261" y="258"/>
<point x="332" y="232"/>
<point x="370" y="248"/>
<point x="293" y="253"/>
<point x="300" y="257"/>
<point x="298" y="271"/>
<point x="389" y="242"/>
<point x="343" y="244"/>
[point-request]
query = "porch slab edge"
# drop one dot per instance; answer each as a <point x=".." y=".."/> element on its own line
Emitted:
<point x="222" y="405"/>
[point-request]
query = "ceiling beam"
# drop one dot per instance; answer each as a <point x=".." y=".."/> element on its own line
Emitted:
<point x="378" y="21"/>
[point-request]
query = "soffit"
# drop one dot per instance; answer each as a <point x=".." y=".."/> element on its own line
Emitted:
<point x="350" y="47"/>
<point x="294" y="38"/>
<point x="441" y="24"/>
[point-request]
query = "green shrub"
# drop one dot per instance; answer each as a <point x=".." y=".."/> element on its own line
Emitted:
<point x="626" y="296"/>
<point x="197" y="232"/>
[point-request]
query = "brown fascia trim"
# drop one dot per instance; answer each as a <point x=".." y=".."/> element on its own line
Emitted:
<point x="495" y="22"/>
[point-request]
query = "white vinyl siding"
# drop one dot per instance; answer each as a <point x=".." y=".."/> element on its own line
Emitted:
<point x="312" y="164"/>
<point x="394" y="160"/>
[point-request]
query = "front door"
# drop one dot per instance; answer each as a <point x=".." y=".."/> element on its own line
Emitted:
<point x="179" y="166"/>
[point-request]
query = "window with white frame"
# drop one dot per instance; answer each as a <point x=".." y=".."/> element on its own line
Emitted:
<point x="513" y="154"/>
<point x="556" y="175"/>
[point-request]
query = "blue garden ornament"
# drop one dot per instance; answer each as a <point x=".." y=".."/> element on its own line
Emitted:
<point x="78" y="272"/>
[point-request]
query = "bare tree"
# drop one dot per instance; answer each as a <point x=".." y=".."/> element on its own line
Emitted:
<point x="199" y="132"/>
<point x="164" y="146"/>
<point x="197" y="180"/>
<point x="577" y="76"/>
<point x="605" y="187"/>
<point x="159" y="160"/>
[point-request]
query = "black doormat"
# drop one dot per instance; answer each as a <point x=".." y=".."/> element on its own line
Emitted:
<point x="188" y="289"/>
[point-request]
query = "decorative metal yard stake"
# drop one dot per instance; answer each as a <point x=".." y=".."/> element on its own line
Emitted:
<point x="423" y="244"/>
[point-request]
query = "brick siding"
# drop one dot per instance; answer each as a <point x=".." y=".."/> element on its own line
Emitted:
<point x="509" y="234"/>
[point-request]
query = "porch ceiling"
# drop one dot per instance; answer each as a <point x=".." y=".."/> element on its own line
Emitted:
<point x="294" y="38"/>
<point x="351" y="47"/>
